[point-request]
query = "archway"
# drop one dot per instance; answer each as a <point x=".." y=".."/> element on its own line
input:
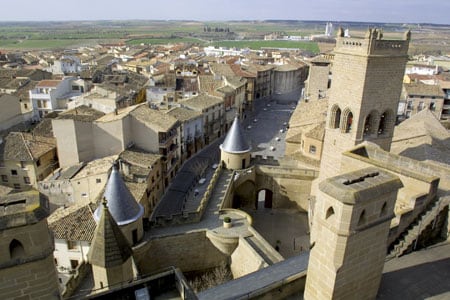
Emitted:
<point x="264" y="199"/>
<point x="244" y="195"/>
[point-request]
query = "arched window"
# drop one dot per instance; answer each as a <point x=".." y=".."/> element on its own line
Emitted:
<point x="16" y="249"/>
<point x="335" y="119"/>
<point x="347" y="121"/>
<point x="386" y="122"/>
<point x="330" y="213"/>
<point x="367" y="125"/>
<point x="362" y="218"/>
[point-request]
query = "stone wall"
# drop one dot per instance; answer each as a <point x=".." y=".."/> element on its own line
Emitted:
<point x="34" y="280"/>
<point x="245" y="260"/>
<point x="189" y="251"/>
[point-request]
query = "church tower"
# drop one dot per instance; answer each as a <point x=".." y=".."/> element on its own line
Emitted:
<point x="125" y="210"/>
<point x="364" y="94"/>
<point x="352" y="219"/>
<point x="235" y="151"/>
<point x="110" y="253"/>
<point x="27" y="268"/>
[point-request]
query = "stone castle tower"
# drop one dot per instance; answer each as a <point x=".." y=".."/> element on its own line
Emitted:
<point x="27" y="269"/>
<point x="235" y="151"/>
<point x="123" y="207"/>
<point x="364" y="95"/>
<point x="353" y="214"/>
<point x="110" y="254"/>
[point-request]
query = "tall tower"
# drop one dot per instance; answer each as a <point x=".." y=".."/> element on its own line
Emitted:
<point x="27" y="268"/>
<point x="353" y="214"/>
<point x="110" y="253"/>
<point x="235" y="151"/>
<point x="364" y="95"/>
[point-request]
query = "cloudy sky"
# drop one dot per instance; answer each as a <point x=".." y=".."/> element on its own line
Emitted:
<point x="398" y="11"/>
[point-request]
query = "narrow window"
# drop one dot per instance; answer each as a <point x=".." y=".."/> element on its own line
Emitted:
<point x="383" y="209"/>
<point x="330" y="212"/>
<point x="16" y="249"/>
<point x="362" y="218"/>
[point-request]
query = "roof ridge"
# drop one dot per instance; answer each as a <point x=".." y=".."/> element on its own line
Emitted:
<point x="26" y="145"/>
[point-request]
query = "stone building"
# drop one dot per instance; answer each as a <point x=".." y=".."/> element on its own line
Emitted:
<point x="110" y="254"/>
<point x="374" y="68"/>
<point x="319" y="78"/>
<point x="27" y="269"/>
<point x="419" y="96"/>
<point x="25" y="159"/>
<point x="213" y="111"/>
<point x="235" y="151"/>
<point x="354" y="211"/>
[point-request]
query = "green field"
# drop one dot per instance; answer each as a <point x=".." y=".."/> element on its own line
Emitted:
<point x="45" y="44"/>
<point x="256" y="45"/>
<point x="158" y="41"/>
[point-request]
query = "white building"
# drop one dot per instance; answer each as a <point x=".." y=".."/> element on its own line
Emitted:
<point x="53" y="95"/>
<point x="73" y="229"/>
<point x="66" y="65"/>
<point x="221" y="51"/>
<point x="421" y="69"/>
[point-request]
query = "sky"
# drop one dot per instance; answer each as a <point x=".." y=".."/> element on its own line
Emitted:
<point x="389" y="11"/>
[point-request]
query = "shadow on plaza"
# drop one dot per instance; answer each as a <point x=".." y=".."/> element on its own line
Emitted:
<point x="416" y="282"/>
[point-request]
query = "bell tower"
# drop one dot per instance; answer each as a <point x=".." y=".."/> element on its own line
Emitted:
<point x="364" y="95"/>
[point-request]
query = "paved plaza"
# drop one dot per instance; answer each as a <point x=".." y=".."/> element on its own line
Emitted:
<point x="266" y="126"/>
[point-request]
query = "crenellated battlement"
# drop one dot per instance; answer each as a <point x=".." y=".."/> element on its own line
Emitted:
<point x="373" y="44"/>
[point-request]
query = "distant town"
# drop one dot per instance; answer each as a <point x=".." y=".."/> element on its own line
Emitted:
<point x="164" y="159"/>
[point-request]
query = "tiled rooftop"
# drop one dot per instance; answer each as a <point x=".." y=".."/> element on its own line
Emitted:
<point x="183" y="114"/>
<point x="74" y="223"/>
<point x="201" y="102"/>
<point x="154" y="119"/>
<point x="48" y="83"/>
<point x="21" y="146"/>
<point x="423" y="89"/>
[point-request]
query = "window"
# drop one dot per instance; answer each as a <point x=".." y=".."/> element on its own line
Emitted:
<point x="383" y="209"/>
<point x="71" y="245"/>
<point x="386" y="121"/>
<point x="312" y="149"/>
<point x="16" y="186"/>
<point x="84" y="195"/>
<point x="329" y="213"/>
<point x="362" y="218"/>
<point x="16" y="249"/>
<point x="347" y="121"/>
<point x="432" y="106"/>
<point x="4" y="178"/>
<point x="14" y="172"/>
<point x="367" y="125"/>
<point x="409" y="105"/>
<point x="25" y="106"/>
<point x="335" y="117"/>
<point x="98" y="180"/>
<point x="38" y="162"/>
<point x="26" y="179"/>
<point x="23" y="165"/>
<point x="420" y="107"/>
<point x="73" y="263"/>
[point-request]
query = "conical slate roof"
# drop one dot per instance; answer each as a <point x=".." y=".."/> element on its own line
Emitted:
<point x="109" y="246"/>
<point x="121" y="203"/>
<point x="235" y="141"/>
